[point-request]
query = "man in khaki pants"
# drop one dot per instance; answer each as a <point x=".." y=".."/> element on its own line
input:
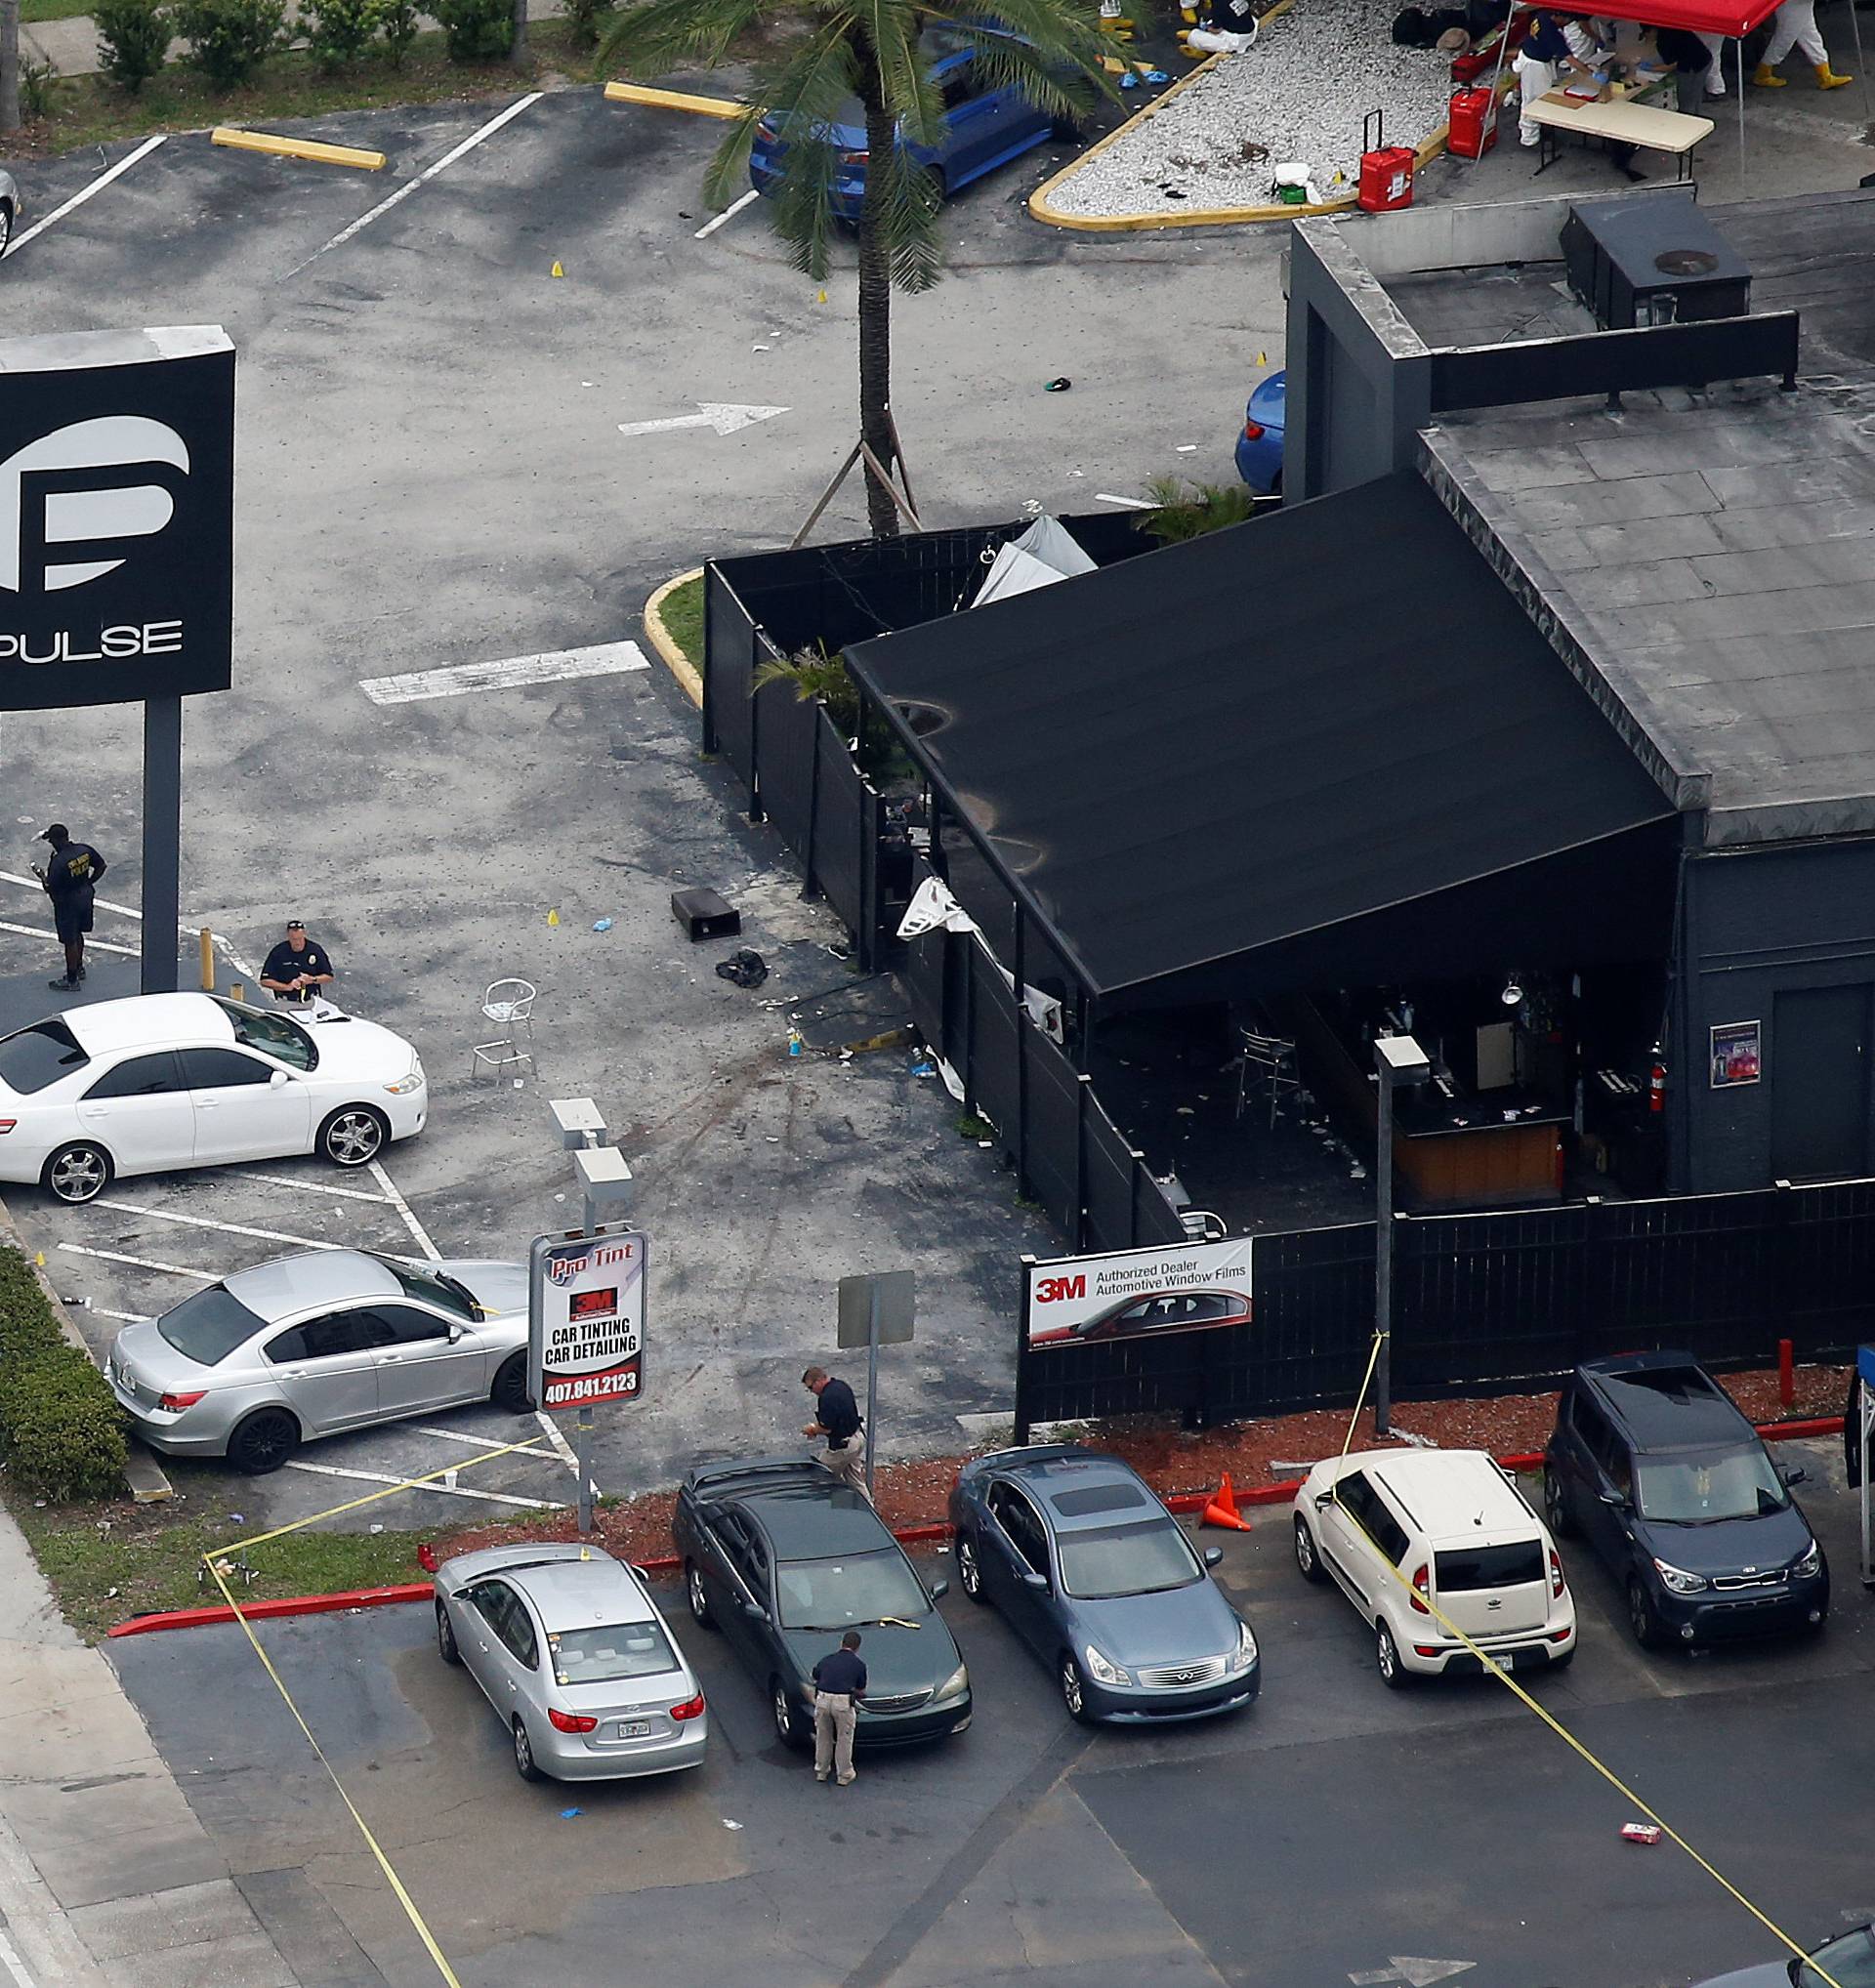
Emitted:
<point x="839" y="1684"/>
<point x="837" y="1417"/>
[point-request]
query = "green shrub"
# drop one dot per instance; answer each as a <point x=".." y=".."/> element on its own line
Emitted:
<point x="132" y="38"/>
<point x="36" y="80"/>
<point x="585" y="17"/>
<point x="398" y="20"/>
<point x="229" y="39"/>
<point x="338" y="31"/>
<point x="476" y="30"/>
<point x="60" y="1425"/>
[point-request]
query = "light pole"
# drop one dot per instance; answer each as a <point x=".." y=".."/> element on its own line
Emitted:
<point x="1398" y="1060"/>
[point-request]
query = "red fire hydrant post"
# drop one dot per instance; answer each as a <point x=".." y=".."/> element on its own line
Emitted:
<point x="1787" y="1374"/>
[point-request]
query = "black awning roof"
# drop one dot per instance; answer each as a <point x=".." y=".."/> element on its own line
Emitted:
<point x="1259" y="734"/>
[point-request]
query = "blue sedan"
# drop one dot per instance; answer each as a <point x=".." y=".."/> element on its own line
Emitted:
<point x="1260" y="445"/>
<point x="1094" y="1574"/>
<point x="984" y="127"/>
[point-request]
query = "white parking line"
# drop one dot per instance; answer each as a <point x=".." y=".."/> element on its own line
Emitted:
<point x="127" y="1317"/>
<point x="729" y="214"/>
<point x="84" y="193"/>
<point x="137" y="1208"/>
<point x="410" y="1222"/>
<point x="428" y="173"/>
<point x="440" y="1490"/>
<point x="182" y="926"/>
<point x="317" y="1188"/>
<point x="97" y="945"/>
<point x="14" y="1964"/>
<point x="550" y="666"/>
<point x="141" y="1262"/>
<point x="456" y="1436"/>
<point x="34" y="884"/>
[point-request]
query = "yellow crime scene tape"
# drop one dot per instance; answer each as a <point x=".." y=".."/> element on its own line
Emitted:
<point x="1549" y="1718"/>
<point x="214" y="1562"/>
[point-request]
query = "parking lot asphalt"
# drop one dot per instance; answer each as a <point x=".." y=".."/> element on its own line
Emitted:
<point x="1301" y="1845"/>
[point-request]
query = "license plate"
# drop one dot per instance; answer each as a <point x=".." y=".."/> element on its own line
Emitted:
<point x="634" y="1728"/>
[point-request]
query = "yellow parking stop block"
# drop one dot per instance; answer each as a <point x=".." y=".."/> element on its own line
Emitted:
<point x="673" y="99"/>
<point x="297" y="148"/>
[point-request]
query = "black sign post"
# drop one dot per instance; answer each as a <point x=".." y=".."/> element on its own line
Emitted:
<point x="117" y="552"/>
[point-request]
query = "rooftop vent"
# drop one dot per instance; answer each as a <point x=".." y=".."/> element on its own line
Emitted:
<point x="1653" y="260"/>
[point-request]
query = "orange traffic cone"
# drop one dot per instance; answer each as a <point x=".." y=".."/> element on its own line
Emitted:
<point x="1222" y="1510"/>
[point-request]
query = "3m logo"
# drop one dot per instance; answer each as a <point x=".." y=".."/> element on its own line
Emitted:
<point x="1050" y="1290"/>
<point x="73" y="503"/>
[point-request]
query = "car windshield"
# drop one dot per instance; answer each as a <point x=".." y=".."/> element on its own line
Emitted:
<point x="1703" y="1490"/>
<point x="840" y="1594"/>
<point x="32" y="1057"/>
<point x="622" y="1649"/>
<point x="273" y="1035"/>
<point x="1111" y="1560"/>
<point x="209" y="1326"/>
<point x="1849" y="1961"/>
<point x="435" y="1287"/>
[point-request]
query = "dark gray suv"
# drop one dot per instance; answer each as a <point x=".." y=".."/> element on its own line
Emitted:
<point x="1652" y="1462"/>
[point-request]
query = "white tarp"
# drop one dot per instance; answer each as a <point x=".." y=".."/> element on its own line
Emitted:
<point x="931" y="906"/>
<point x="1045" y="553"/>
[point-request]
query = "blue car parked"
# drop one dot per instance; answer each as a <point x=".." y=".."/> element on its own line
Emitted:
<point x="984" y="127"/>
<point x="1260" y="445"/>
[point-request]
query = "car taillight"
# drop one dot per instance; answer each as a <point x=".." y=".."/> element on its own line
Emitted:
<point x="1253" y="430"/>
<point x="1422" y="1577"/>
<point x="8" y="1124"/>
<point x="176" y="1402"/>
<point x="1556" y="1574"/>
<point x="853" y="158"/>
<point x="691" y="1707"/>
<point x="569" y="1721"/>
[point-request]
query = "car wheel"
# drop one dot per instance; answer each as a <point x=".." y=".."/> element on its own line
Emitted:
<point x="524" y="1754"/>
<point x="1646" y="1631"/>
<point x="510" y="1391"/>
<point x="6" y="227"/>
<point x="353" y="1135"/>
<point x="264" y="1441"/>
<point x="446" y="1638"/>
<point x="1556" y="1505"/>
<point x="970" y="1570"/>
<point x="700" y="1601"/>
<point x="1308" y="1559"/>
<point x="1074" y="1690"/>
<point x="77" y="1173"/>
<point x="1393" y="1673"/>
<point x="787" y="1720"/>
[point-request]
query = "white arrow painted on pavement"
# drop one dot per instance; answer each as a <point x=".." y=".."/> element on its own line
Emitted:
<point x="720" y="415"/>
<point x="1414" y="1972"/>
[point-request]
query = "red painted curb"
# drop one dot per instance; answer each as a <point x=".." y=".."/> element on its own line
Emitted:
<point x="259" y="1611"/>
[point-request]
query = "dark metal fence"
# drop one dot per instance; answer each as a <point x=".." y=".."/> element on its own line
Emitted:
<point x="1486" y="1303"/>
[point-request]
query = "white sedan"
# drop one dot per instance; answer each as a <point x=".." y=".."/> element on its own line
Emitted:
<point x="162" y="1081"/>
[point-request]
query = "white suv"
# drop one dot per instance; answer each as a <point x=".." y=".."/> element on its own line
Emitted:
<point x="1407" y="1531"/>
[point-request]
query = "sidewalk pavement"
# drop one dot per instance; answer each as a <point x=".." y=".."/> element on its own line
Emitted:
<point x="71" y="46"/>
<point x="107" y="1879"/>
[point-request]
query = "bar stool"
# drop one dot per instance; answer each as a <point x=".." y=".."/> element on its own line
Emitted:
<point x="1269" y="1061"/>
<point x="510" y="1005"/>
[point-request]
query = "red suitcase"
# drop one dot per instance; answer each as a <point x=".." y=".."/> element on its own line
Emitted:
<point x="1472" y="118"/>
<point x="1385" y="170"/>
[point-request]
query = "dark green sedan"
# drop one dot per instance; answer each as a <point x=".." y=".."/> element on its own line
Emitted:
<point x="784" y="1561"/>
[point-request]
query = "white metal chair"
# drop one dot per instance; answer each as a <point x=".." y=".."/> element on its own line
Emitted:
<point x="510" y="1005"/>
<point x="1269" y="1061"/>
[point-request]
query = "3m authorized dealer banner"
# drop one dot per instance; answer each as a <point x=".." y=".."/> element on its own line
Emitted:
<point x="1182" y="1286"/>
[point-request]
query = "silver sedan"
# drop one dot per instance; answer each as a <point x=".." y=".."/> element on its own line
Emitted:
<point x="570" y="1650"/>
<point x="313" y="1345"/>
<point x="9" y="207"/>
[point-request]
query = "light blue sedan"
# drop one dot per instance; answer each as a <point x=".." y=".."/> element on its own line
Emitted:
<point x="1260" y="445"/>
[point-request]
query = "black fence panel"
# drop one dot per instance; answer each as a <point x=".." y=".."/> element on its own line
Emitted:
<point x="789" y="734"/>
<point x="990" y="1080"/>
<point x="728" y="663"/>
<point x="848" y="817"/>
<point x="1049" y="1145"/>
<point x="922" y="972"/>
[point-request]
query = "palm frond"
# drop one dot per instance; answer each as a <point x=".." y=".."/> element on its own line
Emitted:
<point x="727" y="176"/>
<point x="805" y="93"/>
<point x="663" y="34"/>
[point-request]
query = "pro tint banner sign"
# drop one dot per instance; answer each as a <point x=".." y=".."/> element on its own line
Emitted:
<point x="1139" y="1293"/>
<point x="116" y="517"/>
<point x="586" y="1319"/>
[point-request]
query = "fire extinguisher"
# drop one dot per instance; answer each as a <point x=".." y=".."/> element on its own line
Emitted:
<point x="1656" y="1080"/>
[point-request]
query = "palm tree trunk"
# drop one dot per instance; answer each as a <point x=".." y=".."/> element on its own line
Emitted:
<point x="10" y="119"/>
<point x="875" y="304"/>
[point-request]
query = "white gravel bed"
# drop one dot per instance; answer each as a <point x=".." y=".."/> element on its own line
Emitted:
<point x="1300" y="93"/>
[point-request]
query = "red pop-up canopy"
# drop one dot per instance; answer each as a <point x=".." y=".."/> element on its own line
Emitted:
<point x="1703" y="16"/>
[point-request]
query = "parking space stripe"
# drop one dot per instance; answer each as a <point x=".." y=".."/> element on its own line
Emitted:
<point x="305" y="1242"/>
<point x="456" y="1436"/>
<point x="141" y="1262"/>
<point x="84" y="193"/>
<point x="413" y="1485"/>
<point x="728" y="213"/>
<point x="318" y="1187"/>
<point x="14" y="1964"/>
<point x="123" y="1317"/>
<point x="417" y="1230"/>
<point x="428" y="173"/>
<point x="550" y="666"/>
<point x="98" y="945"/>
<point x="34" y="884"/>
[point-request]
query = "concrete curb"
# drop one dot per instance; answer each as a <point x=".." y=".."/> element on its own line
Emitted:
<point x="676" y="99"/>
<point x="142" y="1472"/>
<point x="689" y="678"/>
<point x="308" y="148"/>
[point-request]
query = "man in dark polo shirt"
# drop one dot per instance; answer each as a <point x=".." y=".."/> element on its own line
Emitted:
<point x="837" y="1417"/>
<point x="839" y="1684"/>
<point x="297" y="969"/>
<point x="71" y="872"/>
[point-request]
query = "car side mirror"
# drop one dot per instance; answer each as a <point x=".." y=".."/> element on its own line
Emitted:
<point x="278" y="1081"/>
<point x="1324" y="1499"/>
<point x="1213" y="1557"/>
<point x="456" y="1332"/>
<point x="1032" y="1579"/>
<point x="938" y="1590"/>
<point x="1796" y="1474"/>
<point x="1613" y="1500"/>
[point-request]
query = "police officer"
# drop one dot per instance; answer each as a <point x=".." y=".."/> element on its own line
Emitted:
<point x="837" y="1417"/>
<point x="839" y="1684"/>
<point x="71" y="871"/>
<point x="297" y="969"/>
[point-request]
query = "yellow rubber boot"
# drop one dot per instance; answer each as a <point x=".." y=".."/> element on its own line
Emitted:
<point x="1829" y="79"/>
<point x="1767" y="78"/>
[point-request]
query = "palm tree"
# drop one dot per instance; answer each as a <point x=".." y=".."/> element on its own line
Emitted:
<point x="878" y="51"/>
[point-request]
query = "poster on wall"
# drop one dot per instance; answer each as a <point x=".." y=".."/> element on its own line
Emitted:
<point x="1736" y="1054"/>
<point x="1139" y="1293"/>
